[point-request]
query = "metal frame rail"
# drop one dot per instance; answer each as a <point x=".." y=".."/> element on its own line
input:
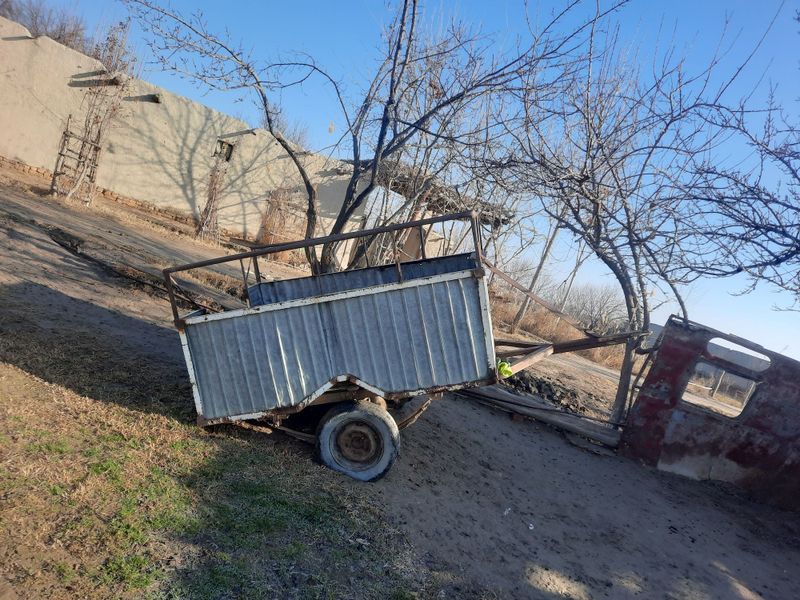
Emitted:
<point x="254" y="254"/>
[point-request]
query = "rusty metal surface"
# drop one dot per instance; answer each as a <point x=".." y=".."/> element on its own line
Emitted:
<point x="398" y="339"/>
<point x="536" y="354"/>
<point x="587" y="343"/>
<point x="411" y="418"/>
<point x="758" y="450"/>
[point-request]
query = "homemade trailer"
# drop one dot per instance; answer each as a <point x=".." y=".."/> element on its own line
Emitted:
<point x="348" y="347"/>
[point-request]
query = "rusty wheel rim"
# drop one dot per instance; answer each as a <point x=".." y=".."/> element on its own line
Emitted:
<point x="357" y="444"/>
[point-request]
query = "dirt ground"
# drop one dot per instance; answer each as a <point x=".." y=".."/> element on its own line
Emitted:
<point x="477" y="506"/>
<point x="513" y="507"/>
<point x="107" y="487"/>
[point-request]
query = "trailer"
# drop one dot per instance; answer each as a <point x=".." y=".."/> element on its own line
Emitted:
<point x="349" y="348"/>
<point x="335" y="358"/>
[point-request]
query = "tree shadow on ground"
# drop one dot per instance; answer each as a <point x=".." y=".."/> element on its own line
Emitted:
<point x="238" y="514"/>
<point x="94" y="351"/>
<point x="228" y="513"/>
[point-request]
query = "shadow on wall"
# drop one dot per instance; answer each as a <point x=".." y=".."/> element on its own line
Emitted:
<point x="162" y="151"/>
<point x="261" y="174"/>
<point x="157" y="152"/>
<point x="249" y="181"/>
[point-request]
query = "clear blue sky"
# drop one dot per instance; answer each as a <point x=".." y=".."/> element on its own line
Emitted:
<point x="343" y="37"/>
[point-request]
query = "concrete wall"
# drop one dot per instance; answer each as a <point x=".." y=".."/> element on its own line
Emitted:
<point x="157" y="152"/>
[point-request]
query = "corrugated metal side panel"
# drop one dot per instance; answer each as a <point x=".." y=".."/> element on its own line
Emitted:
<point x="308" y="287"/>
<point x="399" y="340"/>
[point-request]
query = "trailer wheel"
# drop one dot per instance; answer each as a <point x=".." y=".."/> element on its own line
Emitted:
<point x="360" y="440"/>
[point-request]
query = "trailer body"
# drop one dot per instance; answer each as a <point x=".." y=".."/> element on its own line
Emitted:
<point x="396" y="331"/>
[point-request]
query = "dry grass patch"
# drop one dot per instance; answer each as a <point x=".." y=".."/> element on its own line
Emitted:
<point x="542" y="324"/>
<point x="100" y="500"/>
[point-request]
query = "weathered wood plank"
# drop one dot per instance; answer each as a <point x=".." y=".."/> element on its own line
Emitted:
<point x="540" y="353"/>
<point x="530" y="406"/>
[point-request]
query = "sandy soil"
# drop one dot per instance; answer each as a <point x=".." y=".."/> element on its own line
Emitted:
<point x="495" y="508"/>
<point x="142" y="239"/>
<point x="96" y="416"/>
<point x="514" y="508"/>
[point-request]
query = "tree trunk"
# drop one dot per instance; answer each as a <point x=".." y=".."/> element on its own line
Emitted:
<point x="623" y="389"/>
<point x="571" y="278"/>
<point x="327" y="261"/>
<point x="535" y="279"/>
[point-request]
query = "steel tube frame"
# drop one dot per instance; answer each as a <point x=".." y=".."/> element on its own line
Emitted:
<point x="470" y="216"/>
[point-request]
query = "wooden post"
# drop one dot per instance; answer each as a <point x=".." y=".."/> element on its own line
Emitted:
<point x="539" y="353"/>
<point x="715" y="389"/>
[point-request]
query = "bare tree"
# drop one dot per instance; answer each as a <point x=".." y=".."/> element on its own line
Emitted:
<point x="423" y="84"/>
<point x="84" y="134"/>
<point x="186" y="45"/>
<point x="600" y="307"/>
<point x="608" y="156"/>
<point x="429" y="175"/>
<point x="81" y="144"/>
<point x="548" y="246"/>
<point x="580" y="257"/>
<point x="522" y="268"/>
<point x="747" y="220"/>
<point x="41" y="18"/>
<point x="452" y="73"/>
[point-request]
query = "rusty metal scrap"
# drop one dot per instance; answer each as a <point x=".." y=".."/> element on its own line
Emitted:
<point x="758" y="449"/>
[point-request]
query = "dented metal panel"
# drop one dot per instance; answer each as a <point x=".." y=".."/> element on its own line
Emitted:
<point x="759" y="449"/>
<point x="400" y="338"/>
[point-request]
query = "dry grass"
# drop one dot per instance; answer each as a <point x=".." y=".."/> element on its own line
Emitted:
<point x="109" y="490"/>
<point x="101" y="500"/>
<point x="544" y="325"/>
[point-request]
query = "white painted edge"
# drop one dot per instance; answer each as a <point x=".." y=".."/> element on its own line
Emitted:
<point x="317" y="393"/>
<point x="245" y="417"/>
<point x="486" y="317"/>
<point x="198" y="404"/>
<point x="377" y="289"/>
<point x="361" y="383"/>
<point x="269" y="411"/>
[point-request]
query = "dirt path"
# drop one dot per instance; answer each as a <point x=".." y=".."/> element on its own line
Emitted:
<point x="117" y="228"/>
<point x="513" y="508"/>
<point x="495" y="508"/>
<point x="590" y="387"/>
<point x="109" y="490"/>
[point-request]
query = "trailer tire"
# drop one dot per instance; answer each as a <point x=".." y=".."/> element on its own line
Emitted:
<point x="359" y="439"/>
